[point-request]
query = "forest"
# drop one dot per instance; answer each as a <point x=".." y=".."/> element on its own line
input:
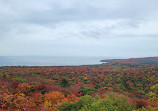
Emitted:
<point x="120" y="85"/>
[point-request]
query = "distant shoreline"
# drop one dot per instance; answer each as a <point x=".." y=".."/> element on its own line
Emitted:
<point x="71" y="63"/>
<point x="143" y="60"/>
<point x="49" y="61"/>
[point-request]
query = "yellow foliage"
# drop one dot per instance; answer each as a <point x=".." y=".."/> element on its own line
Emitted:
<point x="85" y="78"/>
<point x="155" y="88"/>
<point x="22" y="94"/>
<point x="47" y="104"/>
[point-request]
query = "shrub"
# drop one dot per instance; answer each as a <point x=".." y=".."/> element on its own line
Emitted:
<point x="53" y="100"/>
<point x="4" y="75"/>
<point x="34" y="83"/>
<point x="120" y="103"/>
<point x="64" y="83"/>
<point x="43" y="88"/>
<point x="85" y="101"/>
<point x="67" y="107"/>
<point x="89" y="91"/>
<point x="65" y="92"/>
<point x="18" y="80"/>
<point x="32" y="75"/>
<point x="140" y="103"/>
<point x="33" y="88"/>
<point x="44" y="82"/>
<point x="54" y="97"/>
<point x="88" y="103"/>
<point x="143" y="109"/>
<point x="15" y="84"/>
<point x="24" y="88"/>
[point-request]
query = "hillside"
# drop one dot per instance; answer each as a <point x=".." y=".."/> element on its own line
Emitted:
<point x="146" y="60"/>
<point x="122" y="85"/>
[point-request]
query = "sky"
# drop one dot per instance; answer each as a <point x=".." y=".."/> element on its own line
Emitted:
<point x="107" y="28"/>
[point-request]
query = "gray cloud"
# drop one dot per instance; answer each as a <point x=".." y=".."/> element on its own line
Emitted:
<point x="57" y="21"/>
<point x="44" y="13"/>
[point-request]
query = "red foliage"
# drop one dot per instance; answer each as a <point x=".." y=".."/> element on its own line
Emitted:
<point x="131" y="79"/>
<point x="15" y="84"/>
<point x="140" y="103"/>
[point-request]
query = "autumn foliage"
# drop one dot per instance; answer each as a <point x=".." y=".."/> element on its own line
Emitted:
<point x="53" y="88"/>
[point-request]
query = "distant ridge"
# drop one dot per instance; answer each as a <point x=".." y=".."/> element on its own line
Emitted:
<point x="144" y="60"/>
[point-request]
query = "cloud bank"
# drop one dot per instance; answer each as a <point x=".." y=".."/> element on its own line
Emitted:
<point x="93" y="28"/>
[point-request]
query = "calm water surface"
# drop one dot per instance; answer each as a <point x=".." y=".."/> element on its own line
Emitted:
<point x="48" y="61"/>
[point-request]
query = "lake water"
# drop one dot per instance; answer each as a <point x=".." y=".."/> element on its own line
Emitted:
<point x="48" y="61"/>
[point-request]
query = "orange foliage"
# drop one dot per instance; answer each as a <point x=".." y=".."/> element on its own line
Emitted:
<point x="54" y="99"/>
<point x="72" y="98"/>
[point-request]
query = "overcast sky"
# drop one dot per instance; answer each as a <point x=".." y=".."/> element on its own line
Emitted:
<point x="109" y="28"/>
